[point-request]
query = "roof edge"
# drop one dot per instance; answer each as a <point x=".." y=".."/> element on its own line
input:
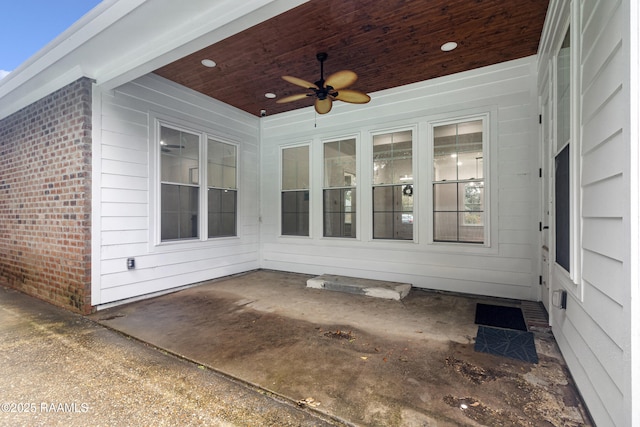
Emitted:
<point x="108" y="43"/>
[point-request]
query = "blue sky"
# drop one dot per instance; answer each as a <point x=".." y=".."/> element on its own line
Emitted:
<point x="26" y="26"/>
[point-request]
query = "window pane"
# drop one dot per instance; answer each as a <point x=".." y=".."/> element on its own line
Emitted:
<point x="392" y="158"/>
<point x="472" y="194"/>
<point x="470" y="233"/>
<point x="564" y="90"/>
<point x="563" y="209"/>
<point x="393" y="212"/>
<point x="180" y="156"/>
<point x="333" y="201"/>
<point x="445" y="226"/>
<point x="339" y="213"/>
<point x="295" y="213"/>
<point x="295" y="168"/>
<point x="402" y="170"/>
<point x="459" y="212"/>
<point x="406" y="198"/>
<point x="469" y="146"/>
<point x="222" y="212"/>
<point x="221" y="164"/>
<point x="179" y="212"/>
<point x="458" y="203"/>
<point x="470" y="164"/>
<point x="333" y="224"/>
<point x="383" y="199"/>
<point x="445" y="153"/>
<point x="458" y="151"/>
<point x="445" y="197"/>
<point x="404" y="226"/>
<point x="383" y="225"/>
<point x="340" y="163"/>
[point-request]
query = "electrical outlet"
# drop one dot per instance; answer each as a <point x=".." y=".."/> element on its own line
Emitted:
<point x="559" y="299"/>
<point x="131" y="263"/>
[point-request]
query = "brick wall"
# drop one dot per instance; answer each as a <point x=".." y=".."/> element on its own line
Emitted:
<point x="45" y="198"/>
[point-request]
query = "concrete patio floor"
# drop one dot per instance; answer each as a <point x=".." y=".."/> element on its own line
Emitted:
<point x="58" y="368"/>
<point x="363" y="360"/>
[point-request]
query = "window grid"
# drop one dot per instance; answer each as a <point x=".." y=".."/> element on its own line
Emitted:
<point x="393" y="212"/>
<point x="339" y="193"/>
<point x="182" y="168"/>
<point x="179" y="185"/>
<point x="222" y="195"/>
<point x="392" y="190"/>
<point x="458" y="187"/>
<point x="562" y="174"/>
<point x="295" y="191"/>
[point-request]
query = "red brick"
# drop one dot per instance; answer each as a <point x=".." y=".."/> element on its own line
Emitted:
<point x="45" y="161"/>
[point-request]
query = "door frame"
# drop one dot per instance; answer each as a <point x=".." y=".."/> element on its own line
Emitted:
<point x="546" y="196"/>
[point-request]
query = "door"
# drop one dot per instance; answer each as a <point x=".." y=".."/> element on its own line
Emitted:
<point x="545" y="186"/>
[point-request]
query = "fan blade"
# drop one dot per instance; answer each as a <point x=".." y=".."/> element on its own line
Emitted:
<point x="353" y="96"/>
<point x="292" y="98"/>
<point x="323" y="106"/>
<point x="341" y="79"/>
<point x="299" y="82"/>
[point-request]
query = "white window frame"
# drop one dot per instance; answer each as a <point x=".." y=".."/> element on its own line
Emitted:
<point x="356" y="187"/>
<point x="156" y="244"/>
<point x="487" y="153"/>
<point x="206" y="185"/>
<point x="197" y="184"/>
<point x="571" y="280"/>
<point x="415" y="135"/>
<point x="309" y="145"/>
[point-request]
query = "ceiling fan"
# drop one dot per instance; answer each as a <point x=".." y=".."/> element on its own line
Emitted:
<point x="167" y="148"/>
<point x="329" y="90"/>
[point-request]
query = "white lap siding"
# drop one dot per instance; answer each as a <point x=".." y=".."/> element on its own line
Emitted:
<point x="123" y="189"/>
<point x="506" y="268"/>
<point x="594" y="332"/>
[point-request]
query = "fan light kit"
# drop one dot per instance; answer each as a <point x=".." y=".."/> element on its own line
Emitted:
<point x="329" y="90"/>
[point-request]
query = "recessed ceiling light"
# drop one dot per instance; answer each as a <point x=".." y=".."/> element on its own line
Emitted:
<point x="448" y="46"/>
<point x="208" y="63"/>
<point x="269" y="95"/>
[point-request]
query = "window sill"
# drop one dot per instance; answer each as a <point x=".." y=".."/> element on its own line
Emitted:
<point x="186" y="245"/>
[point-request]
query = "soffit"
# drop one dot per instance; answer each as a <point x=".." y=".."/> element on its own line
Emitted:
<point x="387" y="43"/>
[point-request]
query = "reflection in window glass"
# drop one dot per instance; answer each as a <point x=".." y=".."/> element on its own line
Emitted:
<point x="562" y="162"/>
<point x="179" y="174"/>
<point x="458" y="188"/>
<point x="295" y="191"/>
<point x="393" y="186"/>
<point x="221" y="164"/>
<point x="295" y="168"/>
<point x="564" y="90"/>
<point x="222" y="193"/>
<point x="339" y="194"/>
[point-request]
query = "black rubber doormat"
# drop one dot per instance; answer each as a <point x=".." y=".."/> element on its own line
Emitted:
<point x="500" y="316"/>
<point x="508" y="343"/>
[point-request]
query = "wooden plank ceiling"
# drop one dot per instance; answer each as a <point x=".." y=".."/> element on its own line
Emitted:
<point x="387" y="43"/>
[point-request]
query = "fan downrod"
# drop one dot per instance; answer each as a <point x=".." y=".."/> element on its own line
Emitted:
<point x="323" y="91"/>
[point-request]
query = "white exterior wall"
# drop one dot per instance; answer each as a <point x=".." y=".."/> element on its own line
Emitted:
<point x="594" y="332"/>
<point x="507" y="267"/>
<point x="125" y="211"/>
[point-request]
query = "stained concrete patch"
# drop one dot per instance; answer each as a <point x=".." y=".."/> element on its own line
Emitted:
<point x="61" y="369"/>
<point x="364" y="360"/>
